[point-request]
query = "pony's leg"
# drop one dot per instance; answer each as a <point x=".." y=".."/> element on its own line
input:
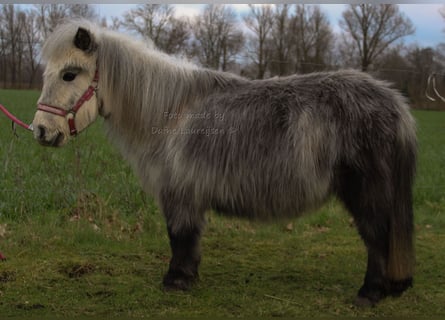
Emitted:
<point x="183" y="269"/>
<point x="375" y="284"/>
<point x="184" y="225"/>
<point x="390" y="254"/>
<point x="365" y="200"/>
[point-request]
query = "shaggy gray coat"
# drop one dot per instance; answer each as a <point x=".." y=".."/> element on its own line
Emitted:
<point x="201" y="139"/>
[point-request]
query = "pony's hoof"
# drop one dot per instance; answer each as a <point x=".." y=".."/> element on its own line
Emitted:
<point x="398" y="287"/>
<point x="369" y="296"/>
<point x="175" y="282"/>
<point x="363" y="302"/>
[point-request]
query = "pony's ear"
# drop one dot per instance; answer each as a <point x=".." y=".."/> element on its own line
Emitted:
<point x="84" y="40"/>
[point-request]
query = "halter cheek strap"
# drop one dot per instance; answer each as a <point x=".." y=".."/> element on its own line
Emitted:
<point x="70" y="114"/>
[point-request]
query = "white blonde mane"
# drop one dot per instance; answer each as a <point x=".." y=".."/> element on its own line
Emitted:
<point x="143" y="78"/>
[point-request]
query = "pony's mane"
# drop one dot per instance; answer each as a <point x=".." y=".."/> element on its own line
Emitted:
<point x="150" y="81"/>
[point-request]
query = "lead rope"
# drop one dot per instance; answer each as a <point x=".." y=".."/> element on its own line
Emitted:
<point x="15" y="120"/>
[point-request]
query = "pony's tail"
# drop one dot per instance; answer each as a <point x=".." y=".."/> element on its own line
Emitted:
<point x="401" y="257"/>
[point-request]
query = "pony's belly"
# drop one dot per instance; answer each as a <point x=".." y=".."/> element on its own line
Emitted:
<point x="270" y="206"/>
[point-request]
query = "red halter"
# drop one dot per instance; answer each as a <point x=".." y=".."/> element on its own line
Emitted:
<point x="71" y="113"/>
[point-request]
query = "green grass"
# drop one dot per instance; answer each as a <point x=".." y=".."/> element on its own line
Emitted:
<point x="82" y="239"/>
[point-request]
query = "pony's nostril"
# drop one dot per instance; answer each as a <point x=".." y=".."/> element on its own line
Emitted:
<point x="41" y="132"/>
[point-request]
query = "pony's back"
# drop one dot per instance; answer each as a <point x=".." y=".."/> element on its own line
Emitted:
<point x="280" y="144"/>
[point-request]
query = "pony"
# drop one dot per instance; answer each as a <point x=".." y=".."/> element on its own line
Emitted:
<point x="202" y="139"/>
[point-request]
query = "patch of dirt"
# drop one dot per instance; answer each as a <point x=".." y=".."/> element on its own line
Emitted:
<point x="30" y="306"/>
<point x="7" y="276"/>
<point x="77" y="270"/>
<point x="101" y="294"/>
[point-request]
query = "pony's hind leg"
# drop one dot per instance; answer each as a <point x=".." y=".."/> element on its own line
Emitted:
<point x="370" y="201"/>
<point x="184" y="225"/>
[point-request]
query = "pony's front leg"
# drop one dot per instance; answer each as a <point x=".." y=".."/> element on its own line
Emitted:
<point x="184" y="225"/>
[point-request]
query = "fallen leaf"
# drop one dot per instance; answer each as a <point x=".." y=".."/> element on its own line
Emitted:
<point x="3" y="230"/>
<point x="289" y="226"/>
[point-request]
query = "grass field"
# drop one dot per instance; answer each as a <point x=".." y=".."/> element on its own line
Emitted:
<point x="82" y="239"/>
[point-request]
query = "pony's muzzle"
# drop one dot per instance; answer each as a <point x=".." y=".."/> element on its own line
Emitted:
<point x="45" y="138"/>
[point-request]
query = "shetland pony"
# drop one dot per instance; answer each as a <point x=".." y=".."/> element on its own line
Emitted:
<point x="200" y="139"/>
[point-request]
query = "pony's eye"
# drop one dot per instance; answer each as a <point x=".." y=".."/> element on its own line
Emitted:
<point x="68" y="76"/>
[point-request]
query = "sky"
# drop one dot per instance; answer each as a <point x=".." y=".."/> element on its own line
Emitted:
<point x="426" y="18"/>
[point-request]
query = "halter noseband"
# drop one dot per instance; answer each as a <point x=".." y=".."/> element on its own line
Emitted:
<point x="70" y="114"/>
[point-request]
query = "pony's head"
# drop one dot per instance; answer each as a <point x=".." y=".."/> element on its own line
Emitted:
<point x="68" y="103"/>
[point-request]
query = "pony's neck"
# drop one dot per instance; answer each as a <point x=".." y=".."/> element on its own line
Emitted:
<point x="140" y="87"/>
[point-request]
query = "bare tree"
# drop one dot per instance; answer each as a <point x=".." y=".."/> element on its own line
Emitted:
<point x="84" y="11"/>
<point x="31" y="38"/>
<point x="217" y="40"/>
<point x="373" y="28"/>
<point x="283" y="35"/>
<point x="260" y="21"/>
<point x="157" y="23"/>
<point x="178" y="33"/>
<point x="149" y="20"/>
<point x="313" y="38"/>
<point x="11" y="27"/>
<point x="115" y="23"/>
<point x="3" y="57"/>
<point x="50" y="15"/>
